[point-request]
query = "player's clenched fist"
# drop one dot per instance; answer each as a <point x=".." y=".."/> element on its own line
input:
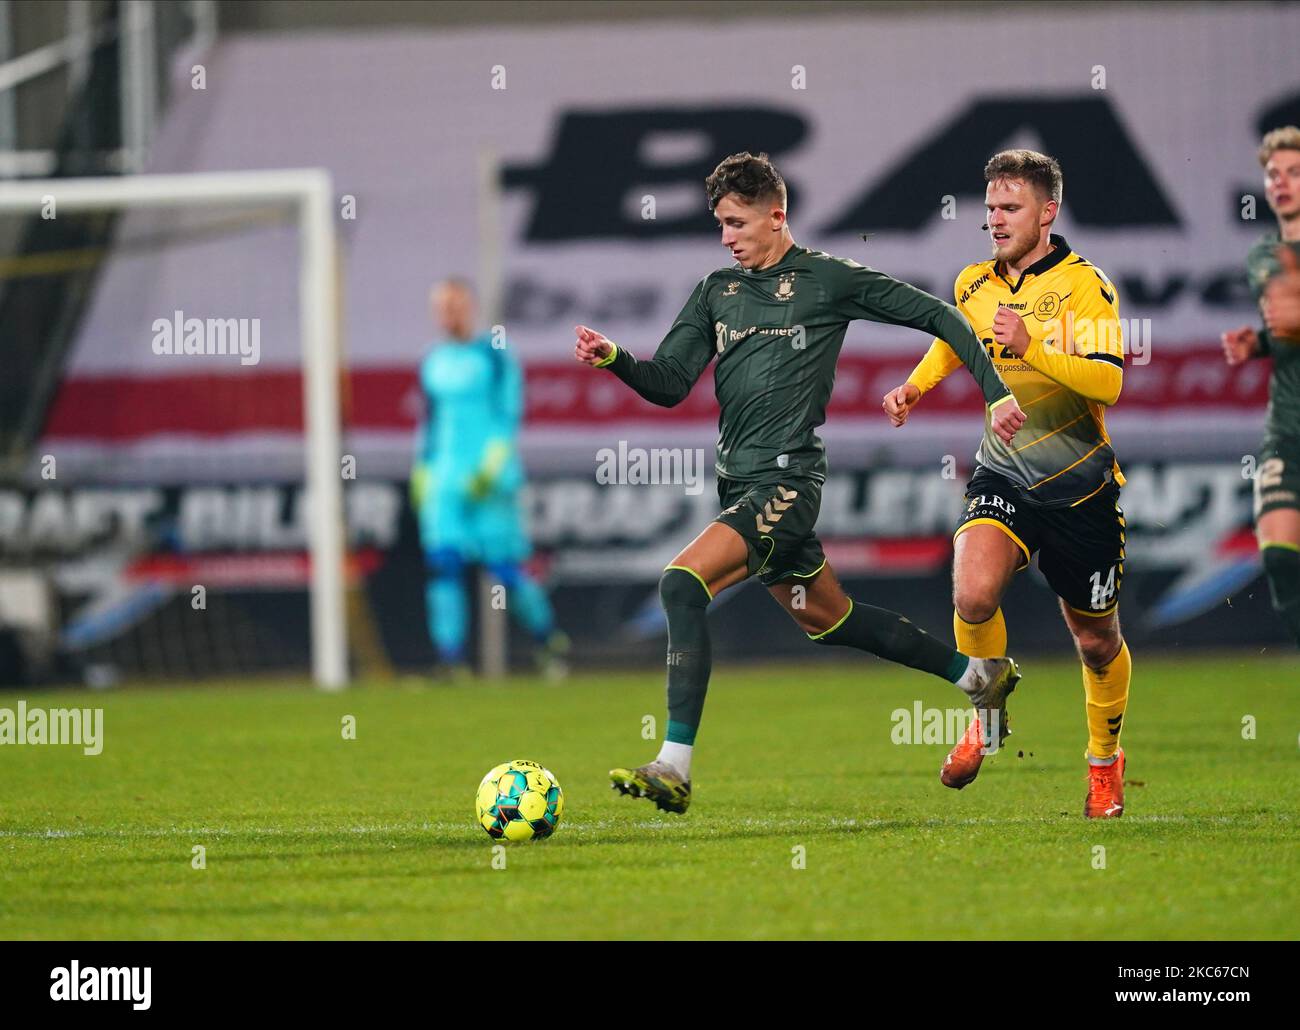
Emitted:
<point x="591" y="347"/>
<point x="1281" y="302"/>
<point x="898" y="403"/>
<point x="1009" y="330"/>
<point x="1239" y="344"/>
<point x="1006" y="418"/>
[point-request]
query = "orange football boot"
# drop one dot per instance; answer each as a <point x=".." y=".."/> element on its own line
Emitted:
<point x="1105" y="798"/>
<point x="963" y="762"/>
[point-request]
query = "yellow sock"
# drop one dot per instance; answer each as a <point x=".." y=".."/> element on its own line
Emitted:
<point x="987" y="639"/>
<point x="1106" y="691"/>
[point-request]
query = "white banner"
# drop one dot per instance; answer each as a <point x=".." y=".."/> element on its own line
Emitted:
<point x="604" y="133"/>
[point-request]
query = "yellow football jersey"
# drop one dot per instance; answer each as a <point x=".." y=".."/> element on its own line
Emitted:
<point x="1062" y="456"/>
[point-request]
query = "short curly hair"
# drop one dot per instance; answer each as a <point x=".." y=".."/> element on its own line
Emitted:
<point x="1285" y="138"/>
<point x="750" y="176"/>
<point x="1038" y="170"/>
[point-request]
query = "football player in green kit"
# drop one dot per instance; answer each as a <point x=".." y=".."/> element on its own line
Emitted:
<point x="775" y="321"/>
<point x="1273" y="268"/>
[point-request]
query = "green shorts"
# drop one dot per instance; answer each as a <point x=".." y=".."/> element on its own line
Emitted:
<point x="776" y="517"/>
<point x="1277" y="476"/>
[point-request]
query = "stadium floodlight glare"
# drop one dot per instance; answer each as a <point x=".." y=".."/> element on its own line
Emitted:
<point x="308" y="192"/>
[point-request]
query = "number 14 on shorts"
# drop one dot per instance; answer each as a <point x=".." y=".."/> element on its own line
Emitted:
<point x="1103" y="593"/>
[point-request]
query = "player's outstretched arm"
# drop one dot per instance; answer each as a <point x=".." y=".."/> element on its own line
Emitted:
<point x="667" y="378"/>
<point x="939" y="362"/>
<point x="1245" y="343"/>
<point x="882" y="298"/>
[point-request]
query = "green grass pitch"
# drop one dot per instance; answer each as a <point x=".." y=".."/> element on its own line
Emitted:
<point x="311" y="835"/>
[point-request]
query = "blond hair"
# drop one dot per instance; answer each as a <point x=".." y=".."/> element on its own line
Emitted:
<point x="1285" y="138"/>
<point x="1038" y="170"/>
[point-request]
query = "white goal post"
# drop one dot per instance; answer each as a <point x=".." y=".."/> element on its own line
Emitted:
<point x="309" y="193"/>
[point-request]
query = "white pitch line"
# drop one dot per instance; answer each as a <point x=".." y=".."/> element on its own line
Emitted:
<point x="584" y="827"/>
<point x="286" y="831"/>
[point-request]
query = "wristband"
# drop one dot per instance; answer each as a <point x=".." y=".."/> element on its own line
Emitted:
<point x="608" y="359"/>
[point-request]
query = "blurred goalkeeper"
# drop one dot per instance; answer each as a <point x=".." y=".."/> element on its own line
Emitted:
<point x="466" y="481"/>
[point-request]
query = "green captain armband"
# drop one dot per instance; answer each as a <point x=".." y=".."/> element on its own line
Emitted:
<point x="608" y="359"/>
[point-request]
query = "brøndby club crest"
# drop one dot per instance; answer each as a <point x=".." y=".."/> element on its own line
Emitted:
<point x="785" y="287"/>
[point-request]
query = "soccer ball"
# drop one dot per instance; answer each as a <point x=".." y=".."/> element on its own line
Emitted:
<point x="519" y="801"/>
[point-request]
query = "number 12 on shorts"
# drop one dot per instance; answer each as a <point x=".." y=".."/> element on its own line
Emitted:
<point x="1103" y="593"/>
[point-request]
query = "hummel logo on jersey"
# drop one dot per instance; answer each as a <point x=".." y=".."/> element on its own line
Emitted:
<point x="731" y="289"/>
<point x="774" y="508"/>
<point x="1110" y="297"/>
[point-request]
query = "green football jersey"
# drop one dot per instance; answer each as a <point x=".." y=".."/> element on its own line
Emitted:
<point x="1284" y="385"/>
<point x="777" y="333"/>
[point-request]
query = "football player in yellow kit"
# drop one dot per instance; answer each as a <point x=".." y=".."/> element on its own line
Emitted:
<point x="1050" y="320"/>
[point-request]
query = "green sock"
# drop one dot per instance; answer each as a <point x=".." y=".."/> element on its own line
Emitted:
<point x="1282" y="564"/>
<point x="686" y="599"/>
<point x="895" y="638"/>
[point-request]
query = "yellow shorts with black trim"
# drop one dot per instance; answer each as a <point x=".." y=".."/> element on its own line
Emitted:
<point x="1080" y="550"/>
<point x="776" y="518"/>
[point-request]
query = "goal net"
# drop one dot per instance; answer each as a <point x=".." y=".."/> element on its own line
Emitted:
<point x="171" y="475"/>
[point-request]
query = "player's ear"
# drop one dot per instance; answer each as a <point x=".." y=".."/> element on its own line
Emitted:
<point x="1049" y="212"/>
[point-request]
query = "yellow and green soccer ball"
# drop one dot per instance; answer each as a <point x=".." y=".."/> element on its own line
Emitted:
<point x="519" y="801"/>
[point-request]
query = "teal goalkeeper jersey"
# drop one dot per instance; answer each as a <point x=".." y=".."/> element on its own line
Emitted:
<point x="776" y="334"/>
<point x="475" y="399"/>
